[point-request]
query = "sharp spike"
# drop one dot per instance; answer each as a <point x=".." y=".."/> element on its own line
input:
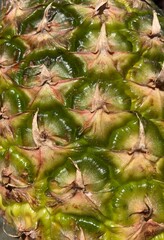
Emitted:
<point x="156" y="27"/>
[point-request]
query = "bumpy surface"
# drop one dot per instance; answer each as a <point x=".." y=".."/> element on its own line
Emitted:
<point x="82" y="119"/>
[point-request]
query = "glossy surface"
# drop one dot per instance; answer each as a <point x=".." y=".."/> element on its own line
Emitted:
<point x="81" y="119"/>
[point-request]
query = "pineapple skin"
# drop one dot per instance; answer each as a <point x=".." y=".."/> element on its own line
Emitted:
<point x="82" y="119"/>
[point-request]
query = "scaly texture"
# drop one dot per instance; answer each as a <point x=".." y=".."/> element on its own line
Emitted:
<point x="82" y="119"/>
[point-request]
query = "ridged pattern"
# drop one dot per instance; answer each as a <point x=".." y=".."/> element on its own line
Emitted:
<point x="81" y="128"/>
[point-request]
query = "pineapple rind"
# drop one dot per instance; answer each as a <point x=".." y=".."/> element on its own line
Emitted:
<point x="81" y="127"/>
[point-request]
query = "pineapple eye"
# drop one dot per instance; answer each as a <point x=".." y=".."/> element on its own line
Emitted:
<point x="43" y="136"/>
<point x="147" y="212"/>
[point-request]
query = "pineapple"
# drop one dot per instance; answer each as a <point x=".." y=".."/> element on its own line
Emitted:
<point x="81" y="127"/>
